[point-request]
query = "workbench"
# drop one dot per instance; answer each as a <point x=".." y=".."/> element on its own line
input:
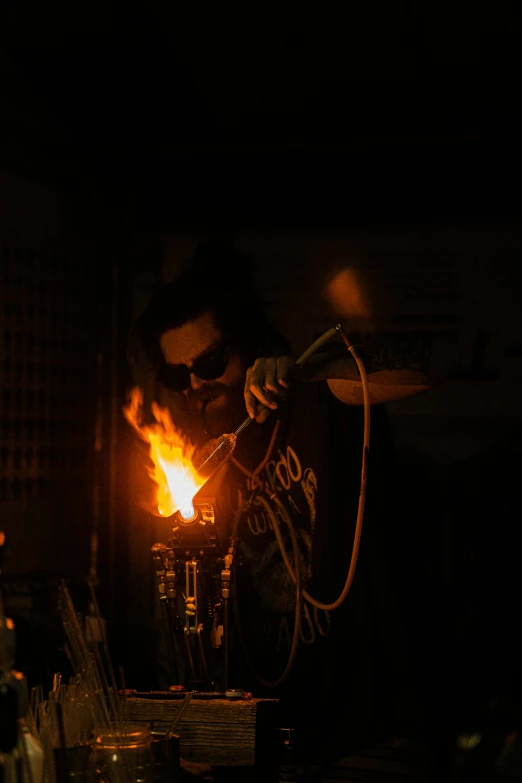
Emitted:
<point x="236" y="734"/>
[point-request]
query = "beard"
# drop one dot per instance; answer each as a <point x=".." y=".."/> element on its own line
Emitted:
<point x="219" y="408"/>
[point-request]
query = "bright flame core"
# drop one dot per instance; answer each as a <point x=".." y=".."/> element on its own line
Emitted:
<point x="173" y="472"/>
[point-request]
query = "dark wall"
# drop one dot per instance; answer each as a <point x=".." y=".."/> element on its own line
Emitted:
<point x="385" y="138"/>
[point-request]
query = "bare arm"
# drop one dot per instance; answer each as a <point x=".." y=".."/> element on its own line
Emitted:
<point x="397" y="366"/>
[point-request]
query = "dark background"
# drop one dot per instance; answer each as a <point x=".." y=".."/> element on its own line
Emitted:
<point x="126" y="136"/>
<point x="181" y="116"/>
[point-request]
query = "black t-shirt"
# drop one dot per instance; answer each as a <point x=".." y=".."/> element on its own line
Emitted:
<point x="351" y="661"/>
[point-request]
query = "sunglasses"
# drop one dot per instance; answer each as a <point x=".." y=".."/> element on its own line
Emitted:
<point x="177" y="376"/>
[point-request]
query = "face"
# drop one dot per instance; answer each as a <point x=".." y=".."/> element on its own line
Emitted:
<point x="216" y="405"/>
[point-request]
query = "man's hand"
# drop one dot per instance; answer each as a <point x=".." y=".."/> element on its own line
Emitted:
<point x="268" y="382"/>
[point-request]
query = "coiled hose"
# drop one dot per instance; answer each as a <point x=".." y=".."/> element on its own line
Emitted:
<point x="294" y="570"/>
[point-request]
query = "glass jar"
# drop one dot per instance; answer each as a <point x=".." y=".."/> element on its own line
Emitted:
<point x="121" y="754"/>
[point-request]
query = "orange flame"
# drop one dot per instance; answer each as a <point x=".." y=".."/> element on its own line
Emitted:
<point x="171" y="453"/>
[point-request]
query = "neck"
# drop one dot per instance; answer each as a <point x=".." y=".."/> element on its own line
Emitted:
<point x="253" y="442"/>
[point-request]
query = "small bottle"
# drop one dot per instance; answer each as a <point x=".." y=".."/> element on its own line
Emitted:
<point x="215" y="455"/>
<point x="121" y="754"/>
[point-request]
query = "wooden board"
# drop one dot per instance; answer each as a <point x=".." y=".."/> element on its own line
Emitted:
<point x="216" y="731"/>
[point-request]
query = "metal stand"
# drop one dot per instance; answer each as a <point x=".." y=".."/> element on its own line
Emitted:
<point x="166" y="578"/>
<point x="194" y="585"/>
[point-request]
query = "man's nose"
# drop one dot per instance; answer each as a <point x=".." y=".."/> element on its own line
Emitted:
<point x="196" y="383"/>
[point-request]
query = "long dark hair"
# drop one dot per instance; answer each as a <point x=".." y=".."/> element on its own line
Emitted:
<point x="217" y="279"/>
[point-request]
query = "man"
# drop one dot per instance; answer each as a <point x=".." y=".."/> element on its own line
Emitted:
<point x="205" y="347"/>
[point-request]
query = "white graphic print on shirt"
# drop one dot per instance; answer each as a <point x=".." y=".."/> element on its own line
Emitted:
<point x="297" y="489"/>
